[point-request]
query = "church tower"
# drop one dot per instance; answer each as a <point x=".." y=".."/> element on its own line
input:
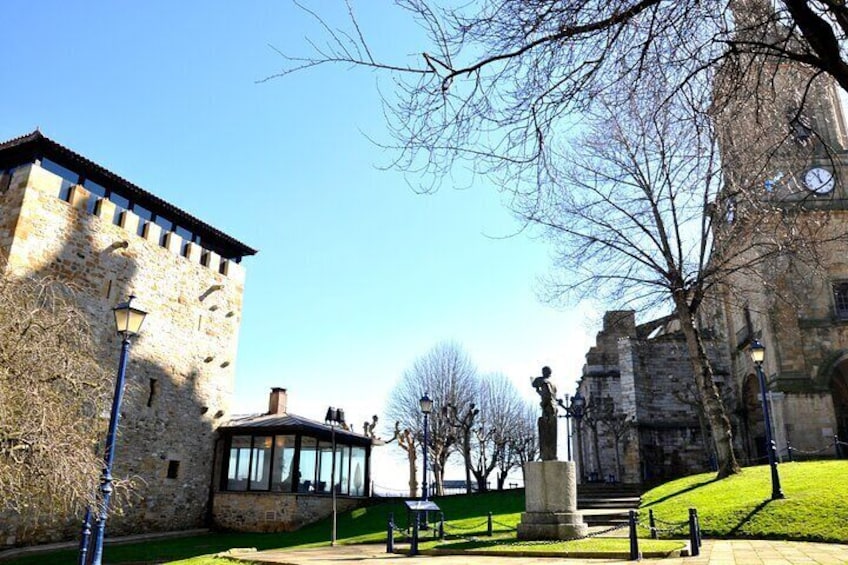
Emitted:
<point x="783" y="217"/>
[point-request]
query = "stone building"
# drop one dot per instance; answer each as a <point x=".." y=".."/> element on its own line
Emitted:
<point x="63" y="215"/>
<point x="274" y="471"/>
<point x="642" y="422"/>
<point x="792" y="294"/>
<point x="782" y="230"/>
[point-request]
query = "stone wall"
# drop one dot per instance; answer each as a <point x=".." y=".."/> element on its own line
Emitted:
<point x="181" y="369"/>
<point x="274" y="512"/>
<point x="647" y="422"/>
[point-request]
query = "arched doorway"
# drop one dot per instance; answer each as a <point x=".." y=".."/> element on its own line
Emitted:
<point x="754" y="421"/>
<point x="839" y="393"/>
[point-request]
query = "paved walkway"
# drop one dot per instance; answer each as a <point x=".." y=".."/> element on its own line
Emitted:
<point x="713" y="552"/>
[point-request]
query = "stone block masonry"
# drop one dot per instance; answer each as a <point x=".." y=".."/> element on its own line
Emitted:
<point x="174" y="399"/>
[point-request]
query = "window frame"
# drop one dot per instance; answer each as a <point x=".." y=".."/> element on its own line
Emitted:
<point x="839" y="291"/>
<point x="299" y="484"/>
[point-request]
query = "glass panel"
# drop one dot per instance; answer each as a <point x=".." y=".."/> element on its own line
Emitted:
<point x="357" y="464"/>
<point x="260" y="472"/>
<point x="94" y="188"/>
<point x="283" y="467"/>
<point x="183" y="233"/>
<point x="325" y="467"/>
<point x="97" y="192"/>
<point x="121" y="204"/>
<point x="840" y="300"/>
<point x="342" y="469"/>
<point x="144" y="216"/>
<point x="120" y="201"/>
<point x="308" y="450"/>
<point x="142" y="212"/>
<point x="69" y="178"/>
<point x="166" y="225"/>
<point x="239" y="463"/>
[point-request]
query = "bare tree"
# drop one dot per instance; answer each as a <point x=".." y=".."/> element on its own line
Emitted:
<point x="463" y="424"/>
<point x="497" y="82"/>
<point x="523" y="444"/>
<point x="447" y="375"/>
<point x="500" y="408"/>
<point x="406" y="441"/>
<point x="636" y="203"/>
<point x="629" y="223"/>
<point x="53" y="394"/>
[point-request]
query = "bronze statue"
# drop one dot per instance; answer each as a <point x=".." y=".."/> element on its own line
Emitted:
<point x="548" y="420"/>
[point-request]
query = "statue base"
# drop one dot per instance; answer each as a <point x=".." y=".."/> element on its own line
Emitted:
<point x="550" y="489"/>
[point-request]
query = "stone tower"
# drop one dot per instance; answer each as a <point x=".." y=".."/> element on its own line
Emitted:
<point x="65" y="216"/>
<point x="782" y="136"/>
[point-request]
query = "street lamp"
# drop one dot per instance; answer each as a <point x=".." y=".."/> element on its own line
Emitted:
<point x="426" y="405"/>
<point x="578" y="410"/>
<point x="758" y="354"/>
<point x="573" y="408"/>
<point x="335" y="417"/>
<point x="128" y="321"/>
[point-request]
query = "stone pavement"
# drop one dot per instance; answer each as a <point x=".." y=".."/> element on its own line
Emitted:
<point x="713" y="552"/>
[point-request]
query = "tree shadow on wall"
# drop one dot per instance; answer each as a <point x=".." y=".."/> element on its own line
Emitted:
<point x="177" y="381"/>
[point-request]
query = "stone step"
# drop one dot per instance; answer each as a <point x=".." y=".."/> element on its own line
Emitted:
<point x="605" y="517"/>
<point x="608" y="503"/>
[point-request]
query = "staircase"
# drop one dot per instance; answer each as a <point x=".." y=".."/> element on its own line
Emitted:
<point x="605" y="504"/>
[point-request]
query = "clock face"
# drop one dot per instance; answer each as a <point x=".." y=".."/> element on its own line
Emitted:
<point x="818" y="180"/>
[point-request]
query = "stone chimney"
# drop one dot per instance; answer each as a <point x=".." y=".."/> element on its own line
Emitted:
<point x="277" y="404"/>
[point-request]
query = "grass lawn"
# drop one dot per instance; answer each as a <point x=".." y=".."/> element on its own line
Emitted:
<point x="814" y="509"/>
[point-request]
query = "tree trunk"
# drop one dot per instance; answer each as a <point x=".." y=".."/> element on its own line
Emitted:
<point x="713" y="406"/>
<point x="413" y="476"/>
<point x="597" y="446"/>
<point x="466" y="453"/>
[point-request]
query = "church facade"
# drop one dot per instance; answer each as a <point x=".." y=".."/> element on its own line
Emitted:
<point x="784" y="154"/>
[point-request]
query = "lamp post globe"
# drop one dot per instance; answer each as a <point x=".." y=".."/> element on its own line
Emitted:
<point x="758" y="354"/>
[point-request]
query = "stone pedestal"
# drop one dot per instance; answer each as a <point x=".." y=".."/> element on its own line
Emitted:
<point x="551" y="502"/>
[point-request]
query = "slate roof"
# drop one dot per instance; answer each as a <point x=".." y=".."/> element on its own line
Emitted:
<point x="36" y="145"/>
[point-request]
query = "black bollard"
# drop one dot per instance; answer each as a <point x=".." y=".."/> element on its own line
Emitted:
<point x="694" y="546"/>
<point x="489" y="526"/>
<point x="441" y="525"/>
<point x="789" y="451"/>
<point x="390" y="534"/>
<point x="413" y="547"/>
<point x="652" y="524"/>
<point x="634" y="540"/>
<point x="698" y="527"/>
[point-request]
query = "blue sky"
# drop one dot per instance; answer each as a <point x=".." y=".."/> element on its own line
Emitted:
<point x="356" y="274"/>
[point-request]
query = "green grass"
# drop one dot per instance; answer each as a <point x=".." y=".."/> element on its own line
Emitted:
<point x="364" y="525"/>
<point x="814" y="509"/>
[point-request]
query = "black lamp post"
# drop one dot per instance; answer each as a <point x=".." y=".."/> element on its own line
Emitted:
<point x="573" y="408"/>
<point x="758" y="354"/>
<point x="426" y="405"/>
<point x="128" y="321"/>
<point x="335" y="417"/>
<point x="578" y="409"/>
